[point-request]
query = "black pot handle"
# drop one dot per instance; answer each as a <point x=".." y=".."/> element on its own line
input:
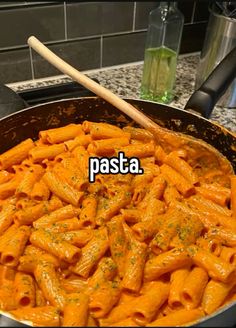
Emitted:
<point x="10" y="101"/>
<point x="204" y="98"/>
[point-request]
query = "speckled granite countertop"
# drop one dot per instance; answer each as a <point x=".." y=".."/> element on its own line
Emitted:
<point x="125" y="81"/>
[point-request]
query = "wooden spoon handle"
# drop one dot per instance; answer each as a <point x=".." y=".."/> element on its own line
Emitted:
<point x="88" y="83"/>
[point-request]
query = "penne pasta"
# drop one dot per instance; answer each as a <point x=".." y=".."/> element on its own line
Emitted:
<point x="146" y="306"/>
<point x="131" y="215"/>
<point x="16" y="154"/>
<point x="177" y="280"/>
<point x="193" y="288"/>
<point x="28" y="263"/>
<point x="23" y="203"/>
<point x="106" y="271"/>
<point x="88" y="212"/>
<point x="81" y="140"/>
<point x="46" y="278"/>
<point x="118" y="242"/>
<point x="38" y="154"/>
<point x="7" y="235"/>
<point x="55" y="246"/>
<point x="24" y="290"/>
<point x="39" y="298"/>
<point x="103" y="130"/>
<point x="166" y="262"/>
<point x="72" y="177"/>
<point x="226" y="237"/>
<point x="81" y="158"/>
<point x="157" y="188"/>
<point x="134" y="266"/>
<point x="169" y="229"/>
<point x="215" y="194"/>
<point x="107" y="147"/>
<point x="63" y="213"/>
<point x="232" y="195"/>
<point x="61" y="134"/>
<point x="63" y="226"/>
<point x="92" y="253"/>
<point x="6" y="274"/>
<point x="78" y="238"/>
<point x="151" y="220"/>
<point x="61" y="189"/>
<point x="5" y="176"/>
<point x="74" y="285"/>
<point x="228" y="254"/>
<point x="179" y="181"/>
<point x="160" y="155"/>
<point x="215" y="294"/>
<point x="207" y="205"/>
<point x="8" y="189"/>
<point x="151" y="249"/>
<point x="6" y="218"/>
<point x="181" y="166"/>
<point x="107" y="208"/>
<point x="142" y="151"/>
<point x="30" y="214"/>
<point x="129" y="322"/>
<point x="14" y="246"/>
<point x="171" y="194"/>
<point x="47" y="316"/>
<point x="31" y="176"/>
<point x="40" y="191"/>
<point x="103" y="298"/>
<point x="210" y="244"/>
<point x="190" y="229"/>
<point x="76" y="310"/>
<point x="178" y="318"/>
<point x="217" y="268"/>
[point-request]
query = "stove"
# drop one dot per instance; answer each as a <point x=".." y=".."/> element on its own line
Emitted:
<point x="11" y="101"/>
<point x="48" y="93"/>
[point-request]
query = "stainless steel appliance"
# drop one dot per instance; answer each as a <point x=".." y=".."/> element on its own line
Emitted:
<point x="219" y="40"/>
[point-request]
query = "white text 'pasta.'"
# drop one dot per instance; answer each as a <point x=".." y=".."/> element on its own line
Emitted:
<point x="113" y="165"/>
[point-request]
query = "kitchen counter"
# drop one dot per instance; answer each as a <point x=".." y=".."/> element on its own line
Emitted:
<point x="124" y="80"/>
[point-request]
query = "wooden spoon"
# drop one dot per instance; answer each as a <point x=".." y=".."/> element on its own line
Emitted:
<point x="200" y="153"/>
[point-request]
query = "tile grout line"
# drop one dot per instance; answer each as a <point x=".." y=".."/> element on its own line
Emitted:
<point x="134" y="17"/>
<point x="65" y="20"/>
<point x="195" y="23"/>
<point x="76" y="39"/>
<point x="92" y="71"/>
<point x="101" y="51"/>
<point x="31" y="63"/>
<point x="62" y="76"/>
<point x="193" y="12"/>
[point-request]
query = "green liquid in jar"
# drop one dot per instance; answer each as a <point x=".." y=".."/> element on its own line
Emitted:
<point x="158" y="74"/>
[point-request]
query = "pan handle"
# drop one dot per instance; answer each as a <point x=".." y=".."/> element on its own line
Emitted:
<point x="204" y="98"/>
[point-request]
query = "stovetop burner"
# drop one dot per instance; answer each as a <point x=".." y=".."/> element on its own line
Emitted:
<point x="11" y="102"/>
<point x="54" y="92"/>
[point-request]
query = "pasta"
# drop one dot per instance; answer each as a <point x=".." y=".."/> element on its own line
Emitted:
<point x="24" y="290"/>
<point x="177" y="280"/>
<point x="76" y="310"/>
<point x="151" y="249"/>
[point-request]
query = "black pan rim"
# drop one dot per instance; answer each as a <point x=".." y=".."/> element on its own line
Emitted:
<point x="127" y="99"/>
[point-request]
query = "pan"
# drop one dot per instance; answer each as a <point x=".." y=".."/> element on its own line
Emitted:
<point x="26" y="122"/>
